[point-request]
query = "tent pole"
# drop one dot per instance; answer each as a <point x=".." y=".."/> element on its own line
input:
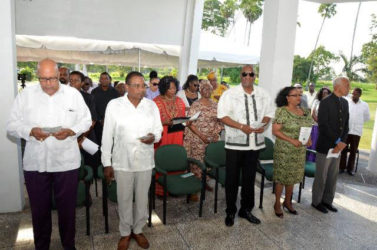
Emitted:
<point x="221" y="74"/>
<point x="139" y="60"/>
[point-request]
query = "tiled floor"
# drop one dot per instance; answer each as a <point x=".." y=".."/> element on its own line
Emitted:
<point x="353" y="227"/>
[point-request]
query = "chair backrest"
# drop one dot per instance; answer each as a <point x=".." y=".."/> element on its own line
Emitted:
<point x="267" y="153"/>
<point x="215" y="152"/>
<point x="171" y="158"/>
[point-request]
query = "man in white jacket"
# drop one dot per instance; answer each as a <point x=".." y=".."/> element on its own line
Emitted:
<point x="359" y="114"/>
<point x="132" y="124"/>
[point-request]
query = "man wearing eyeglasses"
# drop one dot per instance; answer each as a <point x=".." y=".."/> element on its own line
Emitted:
<point x="304" y="98"/>
<point x="245" y="110"/>
<point x="50" y="116"/>
<point x="132" y="125"/>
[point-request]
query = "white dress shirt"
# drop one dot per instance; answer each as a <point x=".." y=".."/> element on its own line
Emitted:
<point x="124" y="125"/>
<point x="311" y="98"/>
<point x="246" y="109"/>
<point x="359" y="114"/>
<point x="34" y="108"/>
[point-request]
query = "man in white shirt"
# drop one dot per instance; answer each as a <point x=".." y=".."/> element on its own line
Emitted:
<point x="50" y="116"/>
<point x="245" y="110"/>
<point x="132" y="125"/>
<point x="311" y="95"/>
<point x="359" y="114"/>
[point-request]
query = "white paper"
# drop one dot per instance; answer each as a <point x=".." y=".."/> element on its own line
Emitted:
<point x="195" y="116"/>
<point x="89" y="146"/>
<point x="330" y="154"/>
<point x="304" y="135"/>
<point x="256" y="125"/>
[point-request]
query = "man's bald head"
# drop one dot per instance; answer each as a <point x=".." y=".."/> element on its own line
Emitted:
<point x="247" y="76"/>
<point x="48" y="75"/>
<point x="64" y="75"/>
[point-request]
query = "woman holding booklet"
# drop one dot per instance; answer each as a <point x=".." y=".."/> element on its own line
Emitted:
<point x="291" y="126"/>
<point x="205" y="129"/>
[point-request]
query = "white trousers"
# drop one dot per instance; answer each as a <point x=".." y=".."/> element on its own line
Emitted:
<point x="132" y="218"/>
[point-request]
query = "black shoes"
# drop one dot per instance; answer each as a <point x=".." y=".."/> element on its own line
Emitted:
<point x="290" y="211"/>
<point x="320" y="207"/>
<point x="248" y="216"/>
<point x="229" y="220"/>
<point x="330" y="207"/>
<point x="350" y="173"/>
<point x="341" y="171"/>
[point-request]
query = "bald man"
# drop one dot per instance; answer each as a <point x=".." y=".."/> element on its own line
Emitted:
<point x="245" y="110"/>
<point x="50" y="116"/>
<point x="333" y="116"/>
<point x="64" y="75"/>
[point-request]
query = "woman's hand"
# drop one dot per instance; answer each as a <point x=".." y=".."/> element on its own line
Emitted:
<point x="204" y="139"/>
<point x="168" y="123"/>
<point x="296" y="143"/>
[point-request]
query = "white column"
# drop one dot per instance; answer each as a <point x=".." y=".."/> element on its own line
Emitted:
<point x="11" y="177"/>
<point x="278" y="43"/>
<point x="188" y="60"/>
<point x="372" y="164"/>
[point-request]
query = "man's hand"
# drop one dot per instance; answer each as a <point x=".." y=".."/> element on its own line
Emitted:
<point x="108" y="172"/>
<point x="259" y="130"/>
<point x="63" y="134"/>
<point x="38" y="134"/>
<point x="246" y="129"/>
<point x="150" y="139"/>
<point x="339" y="147"/>
<point x="309" y="142"/>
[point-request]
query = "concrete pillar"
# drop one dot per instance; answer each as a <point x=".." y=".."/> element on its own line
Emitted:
<point x="278" y="43"/>
<point x="372" y="164"/>
<point x="188" y="60"/>
<point x="11" y="177"/>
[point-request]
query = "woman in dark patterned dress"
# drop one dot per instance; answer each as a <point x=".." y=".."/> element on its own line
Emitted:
<point x="289" y="152"/>
<point x="205" y="129"/>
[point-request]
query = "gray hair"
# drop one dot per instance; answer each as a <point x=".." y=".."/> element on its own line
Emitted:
<point x="339" y="80"/>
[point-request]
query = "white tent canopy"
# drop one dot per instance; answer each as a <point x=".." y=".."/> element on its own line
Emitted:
<point x="214" y="51"/>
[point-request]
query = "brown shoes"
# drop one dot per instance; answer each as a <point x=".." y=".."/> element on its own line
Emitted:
<point x="141" y="240"/>
<point x="124" y="242"/>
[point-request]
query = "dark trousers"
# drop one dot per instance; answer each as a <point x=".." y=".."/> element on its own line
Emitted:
<point x="40" y="187"/>
<point x="352" y="146"/>
<point x="237" y="162"/>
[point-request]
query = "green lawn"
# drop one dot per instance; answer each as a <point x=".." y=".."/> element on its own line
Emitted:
<point x="366" y="138"/>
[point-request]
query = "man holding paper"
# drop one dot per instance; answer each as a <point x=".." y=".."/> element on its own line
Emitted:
<point x="132" y="125"/>
<point x="333" y="118"/>
<point x="245" y="110"/>
<point x="50" y="116"/>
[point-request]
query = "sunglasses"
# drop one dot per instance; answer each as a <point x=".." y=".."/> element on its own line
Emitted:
<point x="155" y="84"/>
<point x="196" y="85"/>
<point x="295" y="95"/>
<point x="251" y="74"/>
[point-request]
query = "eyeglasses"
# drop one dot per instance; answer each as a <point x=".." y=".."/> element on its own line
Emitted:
<point x="51" y="79"/>
<point x="251" y="74"/>
<point x="295" y="95"/>
<point x="155" y="84"/>
<point x="137" y="86"/>
<point x="75" y="81"/>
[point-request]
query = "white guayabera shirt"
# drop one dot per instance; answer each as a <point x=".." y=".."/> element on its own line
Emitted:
<point x="359" y="114"/>
<point x="246" y="109"/>
<point x="34" y="108"/>
<point x="124" y="125"/>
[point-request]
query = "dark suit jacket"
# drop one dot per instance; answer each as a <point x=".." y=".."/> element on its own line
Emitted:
<point x="332" y="122"/>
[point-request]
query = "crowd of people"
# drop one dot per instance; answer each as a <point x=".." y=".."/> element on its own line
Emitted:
<point x="131" y="120"/>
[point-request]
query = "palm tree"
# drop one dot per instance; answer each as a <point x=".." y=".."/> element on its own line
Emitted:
<point x="326" y="10"/>
<point x="354" y="29"/>
<point x="349" y="65"/>
<point x="252" y="10"/>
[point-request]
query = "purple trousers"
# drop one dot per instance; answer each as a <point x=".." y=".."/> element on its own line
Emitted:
<point x="40" y="187"/>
